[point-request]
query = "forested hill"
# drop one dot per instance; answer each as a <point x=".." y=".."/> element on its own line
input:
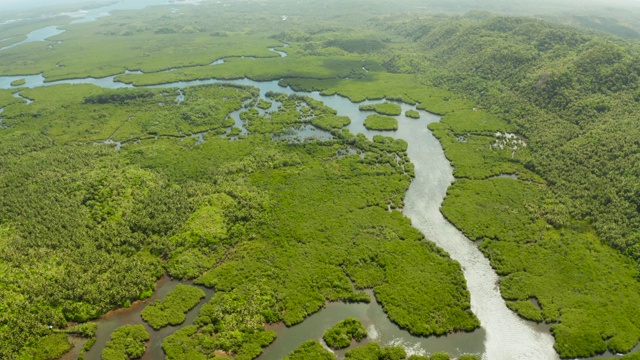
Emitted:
<point x="574" y="95"/>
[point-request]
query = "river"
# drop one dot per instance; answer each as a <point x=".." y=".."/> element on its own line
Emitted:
<point x="503" y="335"/>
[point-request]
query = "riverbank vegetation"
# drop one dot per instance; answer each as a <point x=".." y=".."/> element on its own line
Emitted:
<point x="340" y="335"/>
<point x="386" y="108"/>
<point x="413" y="114"/>
<point x="532" y="221"/>
<point x="380" y="122"/>
<point x="372" y="351"/>
<point x="173" y="308"/>
<point x="310" y="350"/>
<point x="127" y="343"/>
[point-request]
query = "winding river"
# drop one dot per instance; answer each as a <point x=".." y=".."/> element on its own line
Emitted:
<point x="503" y="334"/>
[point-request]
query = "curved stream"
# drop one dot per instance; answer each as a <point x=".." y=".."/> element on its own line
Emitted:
<point x="503" y="334"/>
<point x="37" y="35"/>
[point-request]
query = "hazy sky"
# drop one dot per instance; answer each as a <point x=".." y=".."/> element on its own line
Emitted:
<point x="26" y="4"/>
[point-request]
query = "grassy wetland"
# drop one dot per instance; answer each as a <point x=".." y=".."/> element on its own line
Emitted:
<point x="538" y="126"/>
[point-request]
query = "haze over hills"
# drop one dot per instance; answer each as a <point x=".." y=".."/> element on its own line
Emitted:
<point x="620" y="17"/>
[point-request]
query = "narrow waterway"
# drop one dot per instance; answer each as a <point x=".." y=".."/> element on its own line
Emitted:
<point x="37" y="35"/>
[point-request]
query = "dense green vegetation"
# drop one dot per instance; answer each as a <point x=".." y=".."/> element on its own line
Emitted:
<point x="172" y="310"/>
<point x="84" y="229"/>
<point x="50" y="347"/>
<point x="18" y="82"/>
<point x="340" y="335"/>
<point x="310" y="350"/>
<point x="330" y="122"/>
<point x="263" y="104"/>
<point x="440" y="356"/>
<point x="127" y="342"/>
<point x="380" y="122"/>
<point x="569" y="94"/>
<point x="231" y="214"/>
<point x="413" y="114"/>
<point x="313" y="350"/>
<point x="535" y="235"/>
<point x="386" y="108"/>
<point x="373" y="351"/>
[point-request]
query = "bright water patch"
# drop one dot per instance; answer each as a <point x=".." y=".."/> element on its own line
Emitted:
<point x="37" y="35"/>
<point x="281" y="53"/>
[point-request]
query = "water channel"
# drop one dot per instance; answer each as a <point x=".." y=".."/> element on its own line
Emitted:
<point x="37" y="35"/>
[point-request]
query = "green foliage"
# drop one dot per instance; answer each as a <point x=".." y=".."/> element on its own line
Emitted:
<point x="330" y="122"/>
<point x="263" y="104"/>
<point x="489" y="200"/>
<point x="86" y="330"/>
<point x="539" y="262"/>
<point x="118" y="96"/>
<point x="373" y="351"/>
<point x="418" y="357"/>
<point x="379" y="122"/>
<point x="526" y="309"/>
<point x="527" y="229"/>
<point x="18" y="82"/>
<point x="311" y="350"/>
<point x="181" y="344"/>
<point x="7" y="98"/>
<point x="208" y="212"/>
<point x="340" y="335"/>
<point x="412" y="114"/>
<point x="50" y="347"/>
<point x="252" y="284"/>
<point x="172" y="310"/>
<point x="440" y="356"/>
<point x="376" y="85"/>
<point x="89" y="344"/>
<point x="356" y="45"/>
<point x="127" y="342"/>
<point x="570" y="97"/>
<point x="386" y="108"/>
<point x="468" y="357"/>
<point x="228" y="323"/>
<point x="569" y="94"/>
